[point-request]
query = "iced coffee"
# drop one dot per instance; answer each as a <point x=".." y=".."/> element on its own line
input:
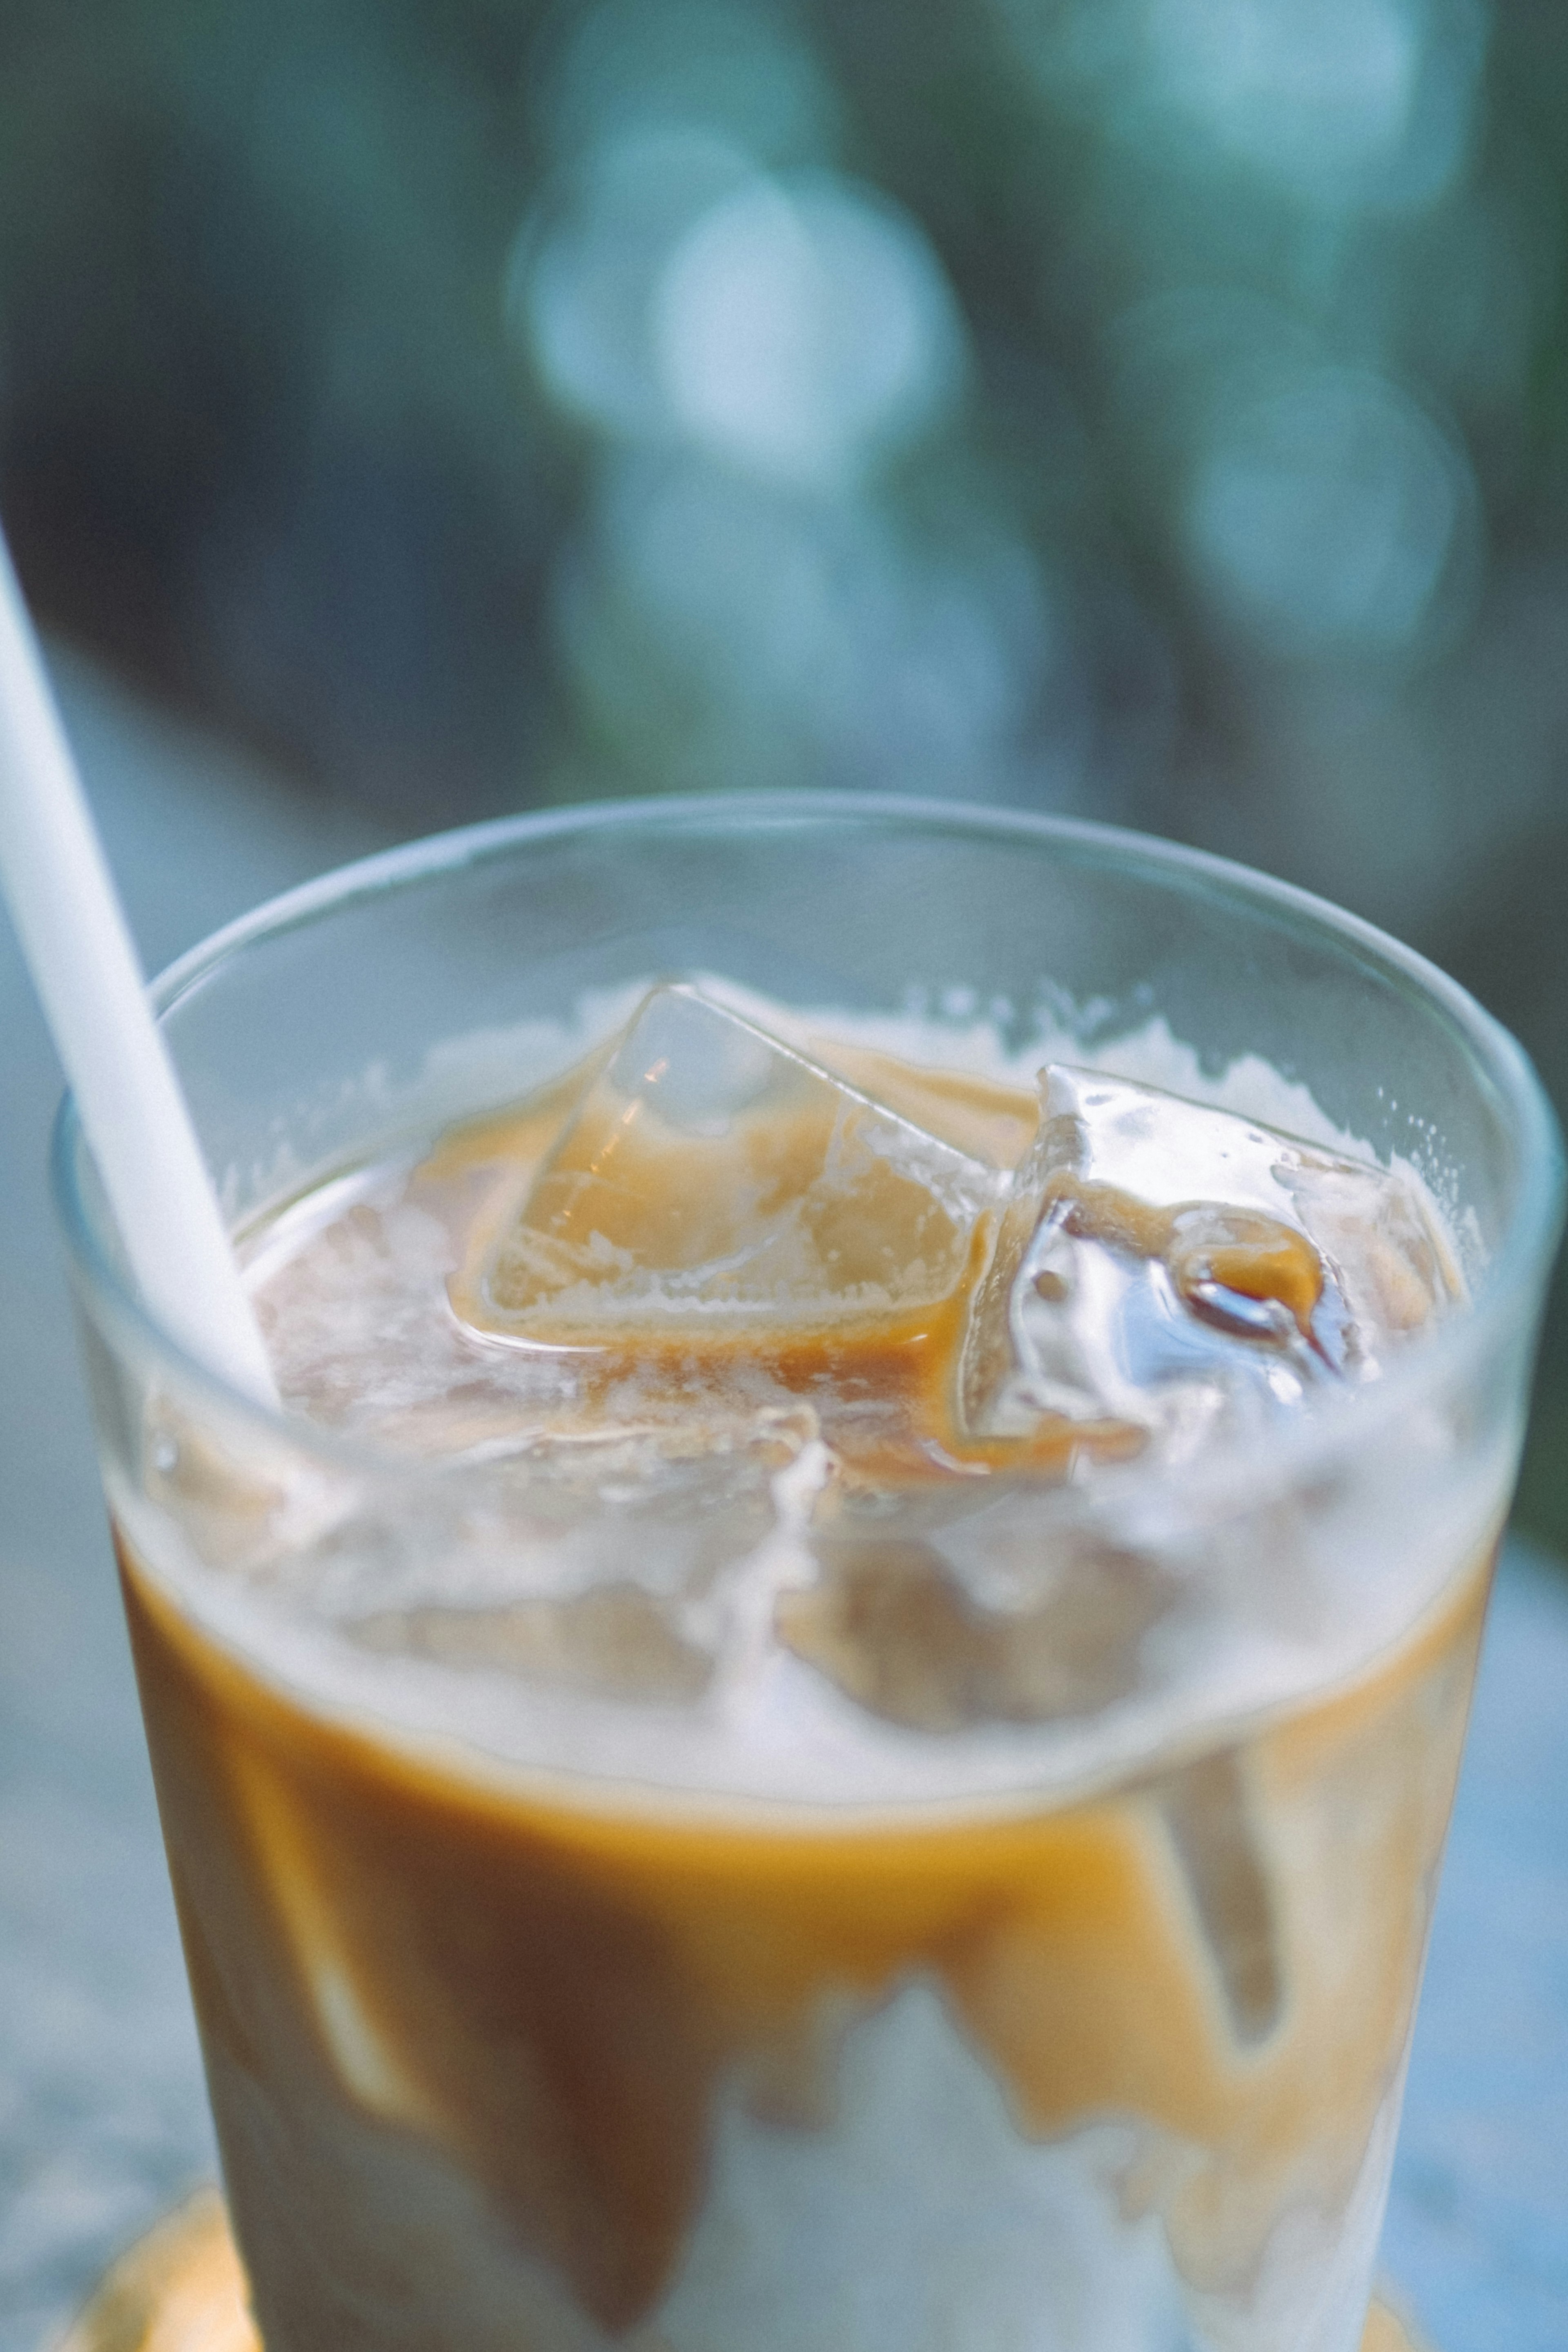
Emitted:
<point x="834" y="1754"/>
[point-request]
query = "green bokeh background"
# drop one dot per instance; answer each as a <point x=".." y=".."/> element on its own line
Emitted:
<point x="1152" y="409"/>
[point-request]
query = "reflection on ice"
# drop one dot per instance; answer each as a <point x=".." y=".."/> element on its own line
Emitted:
<point x="1179" y="1268"/>
<point x="711" y="1171"/>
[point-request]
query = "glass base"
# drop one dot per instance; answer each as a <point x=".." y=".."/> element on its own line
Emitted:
<point x="181" y="2289"/>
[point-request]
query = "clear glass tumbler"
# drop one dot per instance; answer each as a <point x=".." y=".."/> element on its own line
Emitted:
<point x="1103" y="2053"/>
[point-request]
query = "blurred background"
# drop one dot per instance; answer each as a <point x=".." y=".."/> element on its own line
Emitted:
<point x="1147" y="409"/>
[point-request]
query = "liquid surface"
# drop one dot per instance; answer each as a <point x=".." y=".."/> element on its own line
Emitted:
<point x="703" y="1213"/>
<point x="792" y="1394"/>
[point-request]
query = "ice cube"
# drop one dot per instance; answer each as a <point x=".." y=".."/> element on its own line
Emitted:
<point x="1392" y="1266"/>
<point x="613" y="1641"/>
<point x="949" y="1613"/>
<point x="714" y="1174"/>
<point x="1178" y="1266"/>
<point x="990" y="1120"/>
<point x="613" y="1564"/>
<point x="1210" y="1822"/>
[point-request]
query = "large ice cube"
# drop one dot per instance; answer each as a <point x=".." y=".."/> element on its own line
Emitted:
<point x="618" y="1564"/>
<point x="1176" y="1264"/>
<point x="956" y="1609"/>
<point x="1208" y="1817"/>
<point x="713" y="1172"/>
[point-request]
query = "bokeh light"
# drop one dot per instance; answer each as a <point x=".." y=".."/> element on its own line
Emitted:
<point x="798" y="326"/>
<point x="803" y="329"/>
<point x="1323" y="515"/>
<point x="736" y="630"/>
<point x="1336" y="102"/>
<point x="749" y="73"/>
<point x="578" y="295"/>
<point x="1331" y="104"/>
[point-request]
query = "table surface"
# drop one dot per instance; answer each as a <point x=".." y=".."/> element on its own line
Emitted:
<point x="102" y="2117"/>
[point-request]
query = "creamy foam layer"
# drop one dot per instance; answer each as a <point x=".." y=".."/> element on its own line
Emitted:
<point x="418" y="1617"/>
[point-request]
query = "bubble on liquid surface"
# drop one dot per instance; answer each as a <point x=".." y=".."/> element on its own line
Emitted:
<point x="712" y="1171"/>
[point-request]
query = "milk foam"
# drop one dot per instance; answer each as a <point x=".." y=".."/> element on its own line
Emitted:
<point x="920" y="2149"/>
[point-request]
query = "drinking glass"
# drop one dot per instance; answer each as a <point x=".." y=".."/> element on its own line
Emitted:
<point x="1096" y="2045"/>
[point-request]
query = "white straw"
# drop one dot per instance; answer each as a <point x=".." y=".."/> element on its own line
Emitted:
<point x="85" y="968"/>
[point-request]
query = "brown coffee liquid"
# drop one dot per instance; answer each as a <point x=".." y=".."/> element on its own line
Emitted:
<point x="483" y="2041"/>
<point x="552" y="1997"/>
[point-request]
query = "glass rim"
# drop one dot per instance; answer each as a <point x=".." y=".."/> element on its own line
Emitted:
<point x="1523" y="1255"/>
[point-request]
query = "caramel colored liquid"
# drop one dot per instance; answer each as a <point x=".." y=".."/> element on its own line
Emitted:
<point x="480" y="2051"/>
<point x="552" y="1997"/>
